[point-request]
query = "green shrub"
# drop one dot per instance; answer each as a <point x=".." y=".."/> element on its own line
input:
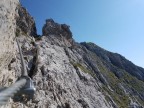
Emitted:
<point x="17" y="33"/>
<point x="84" y="69"/>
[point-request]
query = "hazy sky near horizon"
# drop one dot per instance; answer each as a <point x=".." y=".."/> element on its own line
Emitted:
<point x="116" y="25"/>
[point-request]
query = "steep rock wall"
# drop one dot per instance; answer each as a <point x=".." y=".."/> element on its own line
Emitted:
<point x="8" y="13"/>
<point x="25" y="23"/>
<point x="66" y="74"/>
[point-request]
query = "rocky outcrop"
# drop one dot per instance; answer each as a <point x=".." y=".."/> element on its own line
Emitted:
<point x="25" y="23"/>
<point x="52" y="28"/>
<point x="70" y="75"/>
<point x="66" y="74"/>
<point x="58" y="31"/>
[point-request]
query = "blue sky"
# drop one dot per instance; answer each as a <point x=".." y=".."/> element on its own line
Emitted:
<point x="116" y="25"/>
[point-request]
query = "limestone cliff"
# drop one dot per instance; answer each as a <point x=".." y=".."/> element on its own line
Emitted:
<point x="8" y="13"/>
<point x="67" y="74"/>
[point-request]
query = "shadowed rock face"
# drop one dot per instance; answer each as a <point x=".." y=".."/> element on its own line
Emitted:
<point x="25" y="23"/>
<point x="52" y="28"/>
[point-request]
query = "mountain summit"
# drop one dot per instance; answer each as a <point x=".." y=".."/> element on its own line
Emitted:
<point x="66" y="74"/>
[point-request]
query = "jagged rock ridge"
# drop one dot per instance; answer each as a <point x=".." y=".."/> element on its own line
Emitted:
<point x="72" y="75"/>
<point x="117" y="60"/>
<point x="25" y="23"/>
<point x="56" y="29"/>
<point x="69" y="74"/>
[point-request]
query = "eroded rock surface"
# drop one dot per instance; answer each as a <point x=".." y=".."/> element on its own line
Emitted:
<point x="25" y="23"/>
<point x="71" y="75"/>
<point x="60" y="30"/>
<point x="7" y="30"/>
<point x="59" y="83"/>
<point x="66" y="74"/>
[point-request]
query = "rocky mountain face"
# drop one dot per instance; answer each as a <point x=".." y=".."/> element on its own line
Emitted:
<point x="8" y="12"/>
<point x="25" y="23"/>
<point x="68" y="74"/>
<point x="116" y="60"/>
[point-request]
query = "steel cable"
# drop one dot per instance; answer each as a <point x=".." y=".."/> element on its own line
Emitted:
<point x="6" y="94"/>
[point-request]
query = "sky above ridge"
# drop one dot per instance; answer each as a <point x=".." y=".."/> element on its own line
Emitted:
<point x="115" y="25"/>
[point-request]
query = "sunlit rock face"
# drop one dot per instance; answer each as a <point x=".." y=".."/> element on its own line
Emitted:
<point x="7" y="29"/>
<point x="117" y="60"/>
<point x="66" y="74"/>
<point x="72" y="75"/>
<point x="59" y="83"/>
<point x="8" y="13"/>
